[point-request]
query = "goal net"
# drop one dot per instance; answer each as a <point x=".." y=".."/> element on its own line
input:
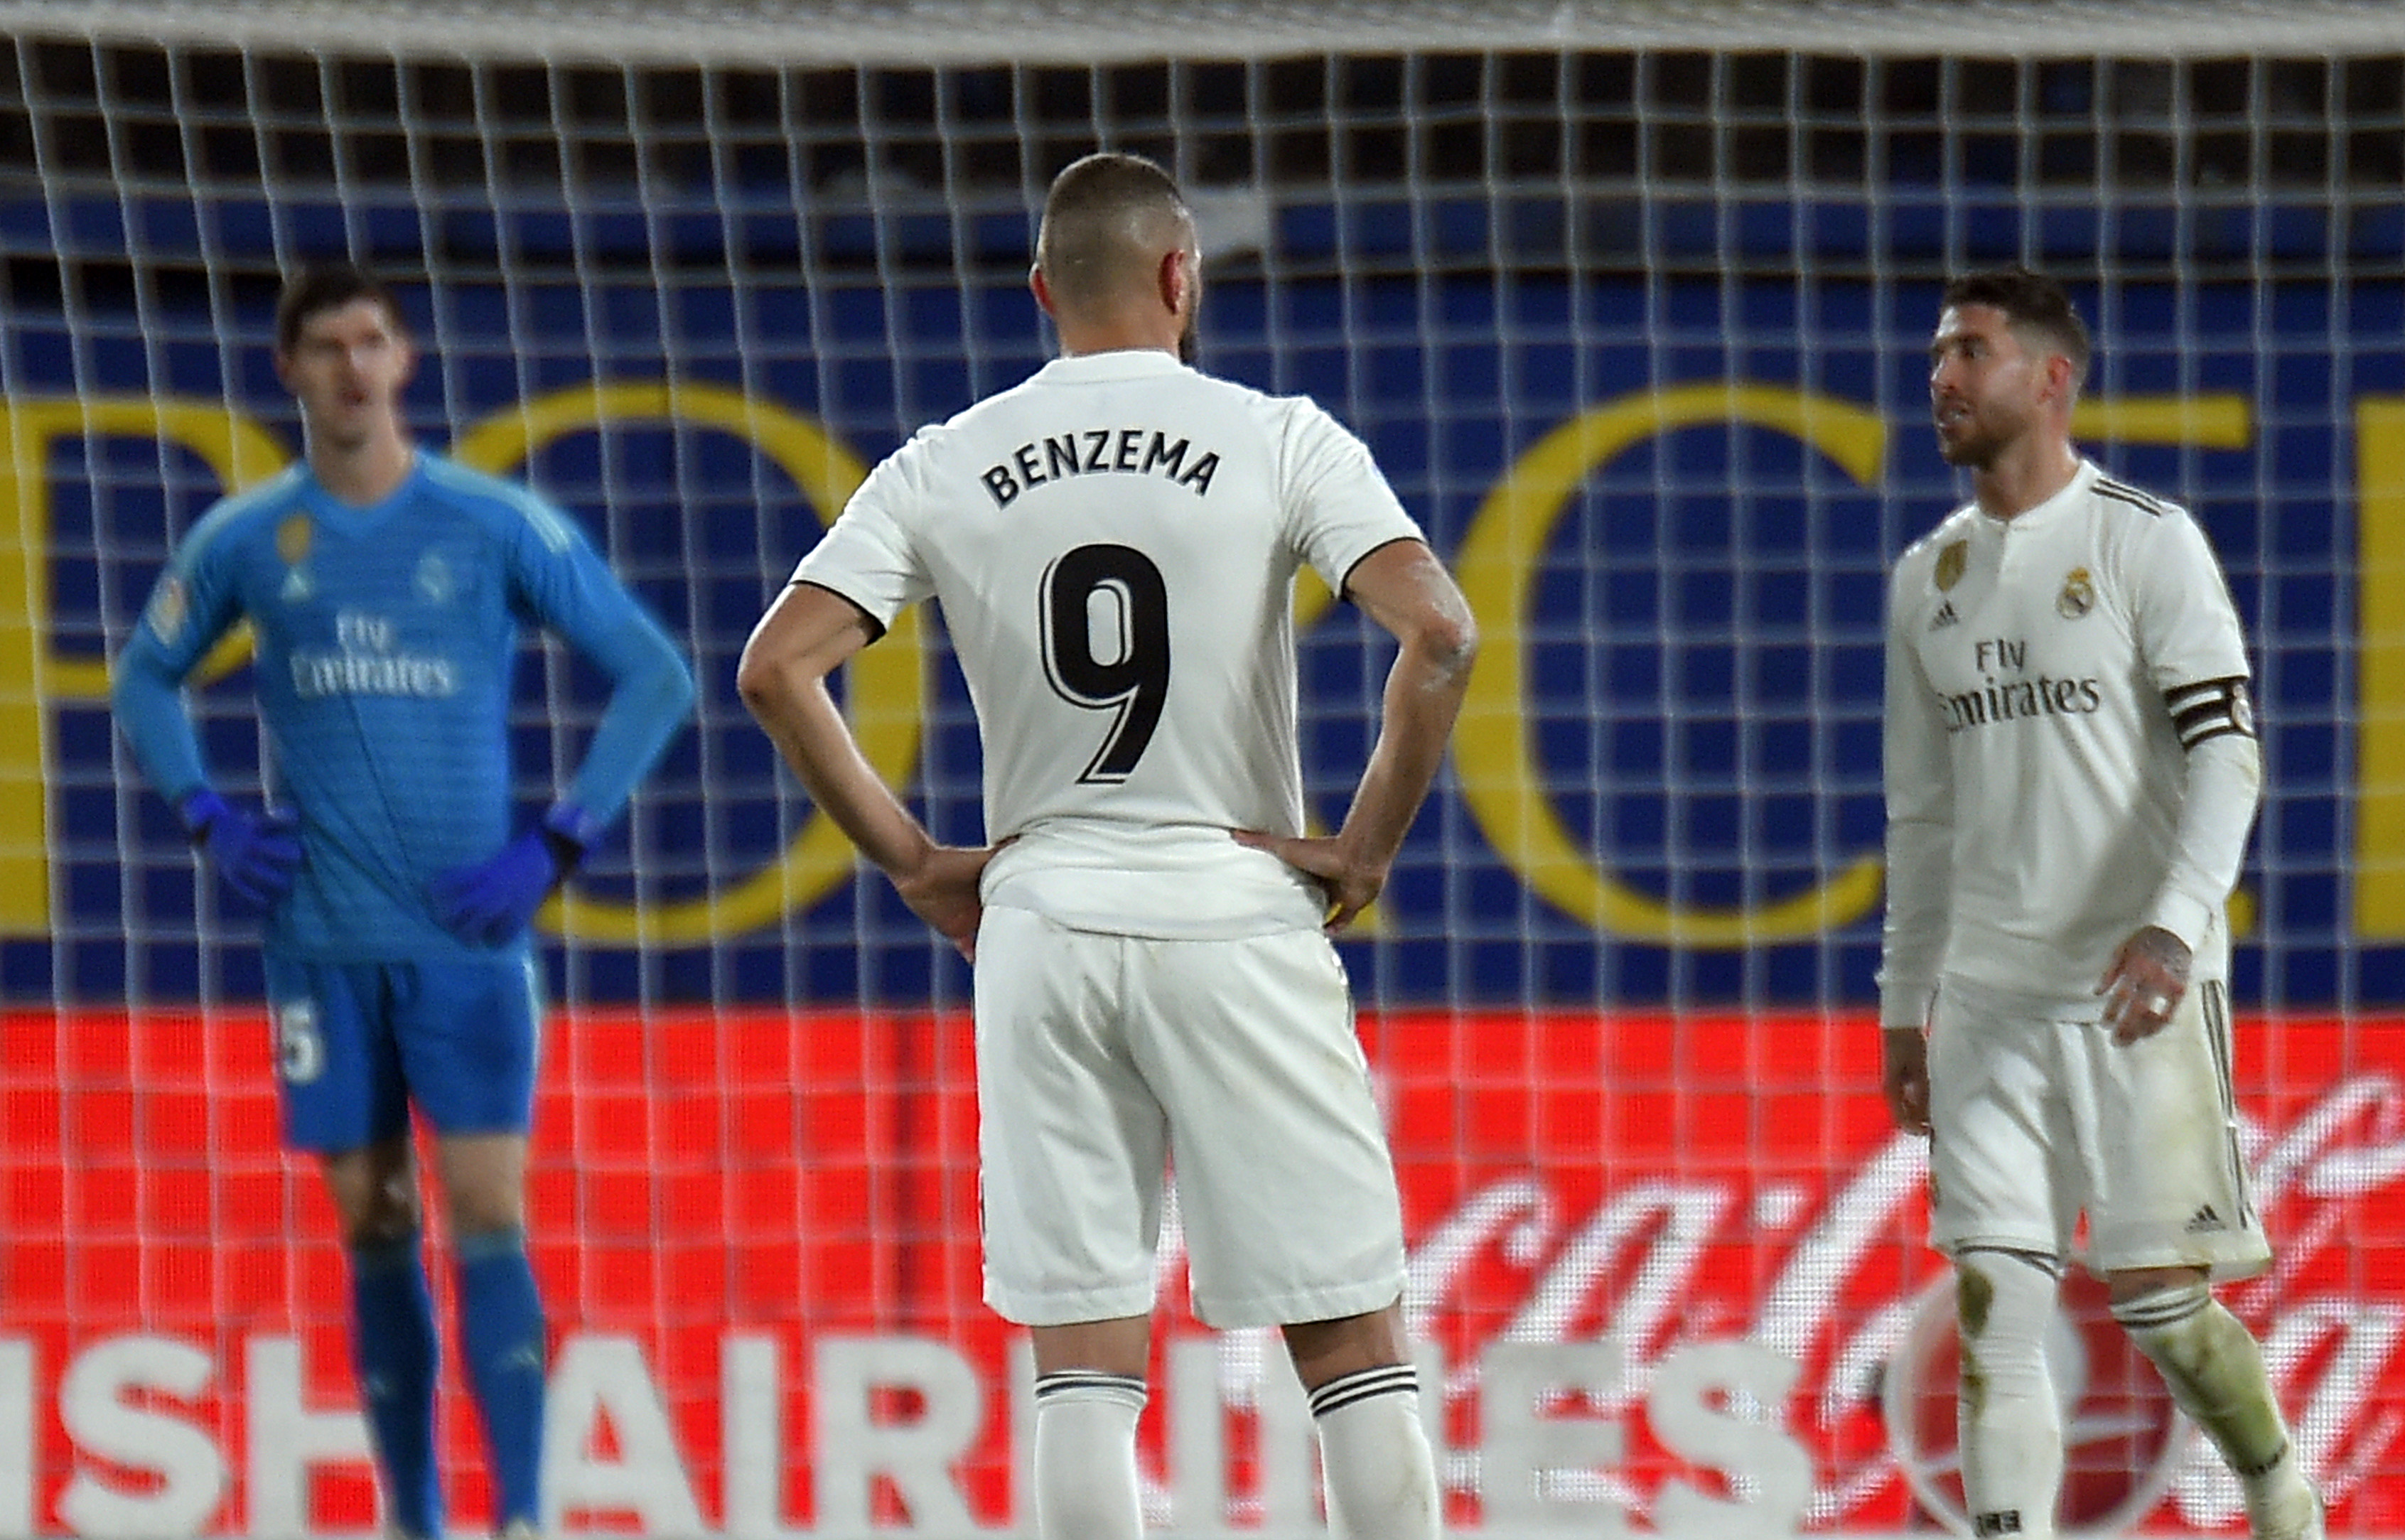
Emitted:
<point x="1632" y="304"/>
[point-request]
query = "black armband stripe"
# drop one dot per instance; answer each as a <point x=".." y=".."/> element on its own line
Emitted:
<point x="2210" y="708"/>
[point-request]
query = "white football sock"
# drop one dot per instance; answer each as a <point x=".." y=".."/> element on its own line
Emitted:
<point x="1085" y="1456"/>
<point x="1374" y="1456"/>
<point x="2213" y="1367"/>
<point x="2007" y="1419"/>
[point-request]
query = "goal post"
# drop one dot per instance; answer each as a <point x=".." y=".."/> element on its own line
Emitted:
<point x="1632" y="303"/>
<point x="742" y="34"/>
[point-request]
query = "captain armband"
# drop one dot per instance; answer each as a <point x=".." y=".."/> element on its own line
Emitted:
<point x="2211" y="708"/>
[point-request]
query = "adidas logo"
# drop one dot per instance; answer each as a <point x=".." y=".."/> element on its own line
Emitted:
<point x="2205" y="1219"/>
<point x="1945" y="616"/>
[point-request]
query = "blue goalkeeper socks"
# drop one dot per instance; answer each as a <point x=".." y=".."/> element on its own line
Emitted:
<point x="502" y="1336"/>
<point x="396" y="1353"/>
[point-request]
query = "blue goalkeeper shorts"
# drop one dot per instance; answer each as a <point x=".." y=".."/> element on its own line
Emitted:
<point x="356" y="1044"/>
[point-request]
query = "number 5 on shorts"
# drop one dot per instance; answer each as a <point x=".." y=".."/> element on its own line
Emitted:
<point x="299" y="1052"/>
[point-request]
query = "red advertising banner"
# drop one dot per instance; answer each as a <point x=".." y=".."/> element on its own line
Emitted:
<point x="1669" y="1271"/>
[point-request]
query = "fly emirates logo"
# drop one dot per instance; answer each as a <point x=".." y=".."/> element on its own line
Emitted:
<point x="366" y="660"/>
<point x="2007" y="692"/>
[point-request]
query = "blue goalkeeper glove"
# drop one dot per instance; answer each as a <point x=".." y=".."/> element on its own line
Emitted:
<point x="491" y="901"/>
<point x="256" y="856"/>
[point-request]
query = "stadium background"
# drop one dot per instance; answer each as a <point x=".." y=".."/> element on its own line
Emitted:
<point x="1637" y="333"/>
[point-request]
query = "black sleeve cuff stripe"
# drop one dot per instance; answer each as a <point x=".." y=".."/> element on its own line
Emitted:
<point x="1345" y="586"/>
<point x="876" y="626"/>
<point x="2209" y="709"/>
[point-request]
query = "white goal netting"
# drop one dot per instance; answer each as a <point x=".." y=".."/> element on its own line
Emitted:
<point x="1631" y="301"/>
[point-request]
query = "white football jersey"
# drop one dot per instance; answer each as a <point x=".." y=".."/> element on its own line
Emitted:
<point x="2047" y="675"/>
<point x="1114" y="543"/>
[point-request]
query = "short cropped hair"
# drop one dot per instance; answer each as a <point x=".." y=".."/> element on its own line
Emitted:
<point x="2032" y="304"/>
<point x="1105" y="214"/>
<point x="321" y="287"/>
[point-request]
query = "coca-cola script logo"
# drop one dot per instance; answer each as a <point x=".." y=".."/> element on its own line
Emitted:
<point x="2122" y="1437"/>
<point x="1740" y="1181"/>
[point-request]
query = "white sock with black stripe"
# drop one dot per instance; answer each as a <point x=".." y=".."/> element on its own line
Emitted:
<point x="1084" y="1455"/>
<point x="2214" y="1368"/>
<point x="1374" y="1456"/>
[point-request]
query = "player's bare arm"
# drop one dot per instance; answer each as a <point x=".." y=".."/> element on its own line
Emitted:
<point x="1405" y="589"/>
<point x="1904" y="1077"/>
<point x="806" y="635"/>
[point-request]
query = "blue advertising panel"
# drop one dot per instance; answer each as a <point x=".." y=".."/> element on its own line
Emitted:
<point x="1672" y="499"/>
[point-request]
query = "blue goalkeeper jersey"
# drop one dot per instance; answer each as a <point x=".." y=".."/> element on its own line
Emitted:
<point x="386" y="639"/>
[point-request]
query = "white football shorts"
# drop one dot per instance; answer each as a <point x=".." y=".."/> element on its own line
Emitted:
<point x="1103" y="1057"/>
<point x="2037" y="1121"/>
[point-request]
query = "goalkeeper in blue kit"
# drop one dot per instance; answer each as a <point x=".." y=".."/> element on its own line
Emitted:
<point x="386" y="588"/>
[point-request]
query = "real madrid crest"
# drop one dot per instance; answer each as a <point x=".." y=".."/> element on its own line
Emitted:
<point x="292" y="537"/>
<point x="168" y="606"/>
<point x="292" y="541"/>
<point x="1951" y="563"/>
<point x="434" y="577"/>
<point x="2079" y="595"/>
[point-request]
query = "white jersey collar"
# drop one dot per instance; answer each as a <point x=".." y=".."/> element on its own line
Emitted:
<point x="2074" y="495"/>
<point x="1130" y="363"/>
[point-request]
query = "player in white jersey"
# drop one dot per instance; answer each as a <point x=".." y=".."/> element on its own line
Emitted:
<point x="1114" y="543"/>
<point x="2071" y="770"/>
